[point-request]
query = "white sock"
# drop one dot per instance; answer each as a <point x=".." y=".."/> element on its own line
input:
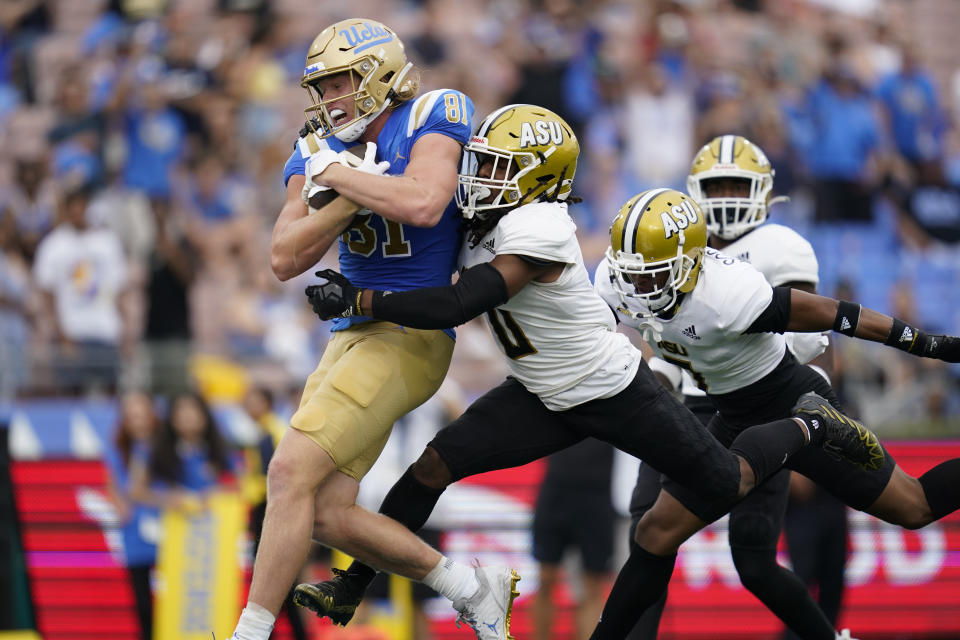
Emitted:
<point x="255" y="623"/>
<point x="452" y="580"/>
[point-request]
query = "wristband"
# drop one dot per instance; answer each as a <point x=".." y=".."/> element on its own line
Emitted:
<point x="904" y="337"/>
<point x="848" y="317"/>
<point x="356" y="306"/>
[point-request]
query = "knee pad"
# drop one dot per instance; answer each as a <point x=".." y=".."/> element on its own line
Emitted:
<point x="753" y="531"/>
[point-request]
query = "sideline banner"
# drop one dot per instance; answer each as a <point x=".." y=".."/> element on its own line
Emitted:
<point x="198" y="571"/>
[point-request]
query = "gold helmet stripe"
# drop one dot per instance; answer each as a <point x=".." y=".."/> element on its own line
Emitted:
<point x="485" y="125"/>
<point x="490" y="119"/>
<point x="727" y="143"/>
<point x="628" y="240"/>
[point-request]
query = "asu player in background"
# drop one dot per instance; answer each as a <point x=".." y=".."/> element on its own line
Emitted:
<point x="397" y="228"/>
<point x="732" y="180"/>
<point x="572" y="374"/>
<point x="725" y="323"/>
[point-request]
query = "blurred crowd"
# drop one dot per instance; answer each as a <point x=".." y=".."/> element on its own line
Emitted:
<point x="143" y="142"/>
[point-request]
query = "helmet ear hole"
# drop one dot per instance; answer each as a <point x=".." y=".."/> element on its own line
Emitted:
<point x="536" y="155"/>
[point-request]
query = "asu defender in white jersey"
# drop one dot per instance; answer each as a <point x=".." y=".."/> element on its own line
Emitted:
<point x="559" y="338"/>
<point x="730" y="296"/>
<point x="719" y="318"/>
<point x="731" y="180"/>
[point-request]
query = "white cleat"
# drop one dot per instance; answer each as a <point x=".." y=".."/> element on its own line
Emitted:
<point x="488" y="610"/>
<point x="844" y="635"/>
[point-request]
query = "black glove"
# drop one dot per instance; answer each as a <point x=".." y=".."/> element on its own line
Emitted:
<point x="946" y="348"/>
<point x="334" y="297"/>
<point x="920" y="343"/>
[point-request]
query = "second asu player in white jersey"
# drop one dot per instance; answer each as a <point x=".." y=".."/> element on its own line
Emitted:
<point x="722" y="320"/>
<point x="572" y="375"/>
<point x="732" y="180"/>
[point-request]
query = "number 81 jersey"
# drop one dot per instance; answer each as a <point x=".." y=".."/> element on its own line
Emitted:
<point x="559" y="337"/>
<point x="382" y="254"/>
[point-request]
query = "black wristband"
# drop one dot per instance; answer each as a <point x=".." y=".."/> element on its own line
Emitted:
<point x="848" y="317"/>
<point x="904" y="337"/>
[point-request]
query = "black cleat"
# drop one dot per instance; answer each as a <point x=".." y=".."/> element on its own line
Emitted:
<point x="835" y="432"/>
<point x="336" y="598"/>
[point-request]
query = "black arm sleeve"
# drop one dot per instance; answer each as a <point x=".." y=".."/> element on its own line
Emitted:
<point x="479" y="289"/>
<point x="776" y="317"/>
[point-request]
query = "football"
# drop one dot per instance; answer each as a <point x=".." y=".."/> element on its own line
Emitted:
<point x="325" y="197"/>
<point x="322" y="198"/>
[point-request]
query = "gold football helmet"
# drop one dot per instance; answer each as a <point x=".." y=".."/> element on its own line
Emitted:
<point x="732" y="158"/>
<point x="381" y="74"/>
<point x="520" y="154"/>
<point x="657" y="242"/>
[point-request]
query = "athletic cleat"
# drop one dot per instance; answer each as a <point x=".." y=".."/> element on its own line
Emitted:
<point x="835" y="432"/>
<point x="336" y="598"/>
<point x="488" y="611"/>
<point x="844" y="635"/>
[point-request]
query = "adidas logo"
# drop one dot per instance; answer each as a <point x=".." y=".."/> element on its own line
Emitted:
<point x="488" y="245"/>
<point x="691" y="332"/>
<point x="907" y="335"/>
<point x="844" y="324"/>
<point x="744" y="257"/>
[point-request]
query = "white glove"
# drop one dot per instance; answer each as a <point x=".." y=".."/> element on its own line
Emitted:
<point x="369" y="162"/>
<point x="319" y="161"/>
<point x="806" y="346"/>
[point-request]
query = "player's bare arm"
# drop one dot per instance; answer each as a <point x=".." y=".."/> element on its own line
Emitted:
<point x="299" y="239"/>
<point x="810" y="312"/>
<point x="418" y="197"/>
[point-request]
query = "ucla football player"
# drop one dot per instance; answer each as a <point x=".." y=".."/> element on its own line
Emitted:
<point x="572" y="375"/>
<point x="719" y="318"/>
<point x="731" y="179"/>
<point x="396" y="225"/>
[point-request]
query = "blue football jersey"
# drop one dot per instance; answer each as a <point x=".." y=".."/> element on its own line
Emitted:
<point x="382" y="254"/>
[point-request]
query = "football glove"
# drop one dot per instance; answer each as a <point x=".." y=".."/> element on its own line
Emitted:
<point x="920" y="343"/>
<point x="369" y="162"/>
<point x="334" y="296"/>
<point x="946" y="348"/>
<point x="313" y="167"/>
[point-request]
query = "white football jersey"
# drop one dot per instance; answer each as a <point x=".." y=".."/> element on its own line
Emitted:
<point x="559" y="337"/>
<point x="782" y="255"/>
<point x="706" y="336"/>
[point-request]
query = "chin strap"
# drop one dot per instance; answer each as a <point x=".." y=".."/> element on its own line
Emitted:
<point x="354" y="130"/>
